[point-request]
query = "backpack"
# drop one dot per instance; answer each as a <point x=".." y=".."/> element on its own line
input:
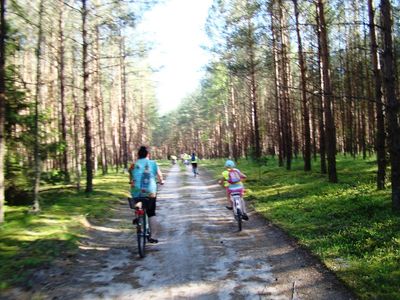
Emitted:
<point x="193" y="157"/>
<point x="234" y="176"/>
<point x="145" y="179"/>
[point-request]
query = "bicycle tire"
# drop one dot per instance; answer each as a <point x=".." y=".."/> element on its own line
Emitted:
<point x="239" y="219"/>
<point x="141" y="236"/>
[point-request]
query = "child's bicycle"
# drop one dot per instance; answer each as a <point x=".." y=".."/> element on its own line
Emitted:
<point x="141" y="221"/>
<point x="238" y="213"/>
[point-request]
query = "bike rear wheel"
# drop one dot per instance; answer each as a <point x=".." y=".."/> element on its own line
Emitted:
<point x="141" y="236"/>
<point x="238" y="218"/>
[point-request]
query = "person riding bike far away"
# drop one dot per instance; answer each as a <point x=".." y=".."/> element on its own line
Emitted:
<point x="173" y="159"/>
<point x="193" y="161"/>
<point x="232" y="181"/>
<point x="143" y="176"/>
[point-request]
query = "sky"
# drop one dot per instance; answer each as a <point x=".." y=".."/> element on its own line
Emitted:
<point x="176" y="27"/>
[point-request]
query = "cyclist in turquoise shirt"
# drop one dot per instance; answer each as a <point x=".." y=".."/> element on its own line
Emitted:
<point x="136" y="174"/>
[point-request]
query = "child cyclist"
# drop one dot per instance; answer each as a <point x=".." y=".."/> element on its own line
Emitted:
<point x="232" y="181"/>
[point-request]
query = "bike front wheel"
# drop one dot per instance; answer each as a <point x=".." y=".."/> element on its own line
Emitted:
<point x="141" y="236"/>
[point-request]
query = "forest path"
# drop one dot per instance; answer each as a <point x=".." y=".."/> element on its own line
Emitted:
<point x="201" y="255"/>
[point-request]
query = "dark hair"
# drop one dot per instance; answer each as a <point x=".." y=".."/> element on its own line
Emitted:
<point x="143" y="151"/>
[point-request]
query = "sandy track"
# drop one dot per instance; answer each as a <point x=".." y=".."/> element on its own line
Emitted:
<point x="200" y="256"/>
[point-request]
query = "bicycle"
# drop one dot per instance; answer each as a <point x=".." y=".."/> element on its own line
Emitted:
<point x="236" y="199"/>
<point x="141" y="221"/>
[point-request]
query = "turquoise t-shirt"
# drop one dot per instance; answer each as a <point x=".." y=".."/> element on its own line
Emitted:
<point x="137" y="173"/>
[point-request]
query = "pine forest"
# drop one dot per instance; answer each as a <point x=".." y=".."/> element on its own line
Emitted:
<point x="294" y="83"/>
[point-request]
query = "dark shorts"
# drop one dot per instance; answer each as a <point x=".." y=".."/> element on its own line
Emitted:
<point x="194" y="165"/>
<point x="149" y="204"/>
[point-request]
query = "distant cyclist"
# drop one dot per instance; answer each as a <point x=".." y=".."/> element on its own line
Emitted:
<point x="143" y="176"/>
<point x="193" y="161"/>
<point x="232" y="181"/>
<point x="173" y="159"/>
<point x="186" y="158"/>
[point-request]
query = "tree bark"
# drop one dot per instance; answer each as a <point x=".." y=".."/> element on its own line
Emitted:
<point x="306" y="115"/>
<point x="392" y="102"/>
<point x="86" y="102"/>
<point x="380" y="119"/>
<point x="327" y="90"/>
<point x="61" y="75"/>
<point x="36" y="129"/>
<point x="321" y="120"/>
<point x="255" y="134"/>
<point x="100" y="107"/>
<point x="77" y="129"/>
<point x="233" y="120"/>
<point x="283" y="81"/>
<point x="3" y="36"/>
<point x="278" y="131"/>
<point x="123" y="103"/>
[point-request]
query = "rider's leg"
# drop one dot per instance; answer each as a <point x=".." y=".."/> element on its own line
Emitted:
<point x="243" y="203"/>
<point x="151" y="213"/>
<point x="153" y="226"/>
<point x="228" y="198"/>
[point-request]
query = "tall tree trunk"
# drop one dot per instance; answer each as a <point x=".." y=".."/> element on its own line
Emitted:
<point x="61" y="75"/>
<point x="321" y="120"/>
<point x="86" y="102"/>
<point x="380" y="119"/>
<point x="279" y="129"/>
<point x="77" y="129"/>
<point x="327" y="89"/>
<point x="254" y="122"/>
<point x="36" y="129"/>
<point x="124" y="142"/>
<point x="306" y="115"/>
<point x="314" y="128"/>
<point x="285" y="69"/>
<point x="3" y="33"/>
<point x="100" y="107"/>
<point x="233" y="124"/>
<point x="350" y="143"/>
<point x="286" y="122"/>
<point x="392" y="102"/>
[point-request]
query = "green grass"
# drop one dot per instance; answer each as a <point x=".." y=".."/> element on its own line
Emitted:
<point x="28" y="240"/>
<point x="349" y="225"/>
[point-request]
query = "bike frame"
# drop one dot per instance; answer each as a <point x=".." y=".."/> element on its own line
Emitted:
<point x="236" y="199"/>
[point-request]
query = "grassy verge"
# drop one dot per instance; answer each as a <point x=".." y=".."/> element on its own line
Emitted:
<point x="29" y="240"/>
<point x="349" y="225"/>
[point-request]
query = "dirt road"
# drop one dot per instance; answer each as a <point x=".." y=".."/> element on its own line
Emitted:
<point x="200" y="256"/>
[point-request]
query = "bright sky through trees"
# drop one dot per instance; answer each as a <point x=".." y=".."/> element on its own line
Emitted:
<point x="176" y="28"/>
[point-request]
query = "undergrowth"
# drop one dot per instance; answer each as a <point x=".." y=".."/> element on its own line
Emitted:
<point x="350" y="225"/>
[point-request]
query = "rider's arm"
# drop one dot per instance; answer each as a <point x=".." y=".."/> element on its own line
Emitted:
<point x="222" y="179"/>
<point x="131" y="180"/>
<point x="160" y="176"/>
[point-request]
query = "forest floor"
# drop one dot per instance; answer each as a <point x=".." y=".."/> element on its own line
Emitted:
<point x="201" y="255"/>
